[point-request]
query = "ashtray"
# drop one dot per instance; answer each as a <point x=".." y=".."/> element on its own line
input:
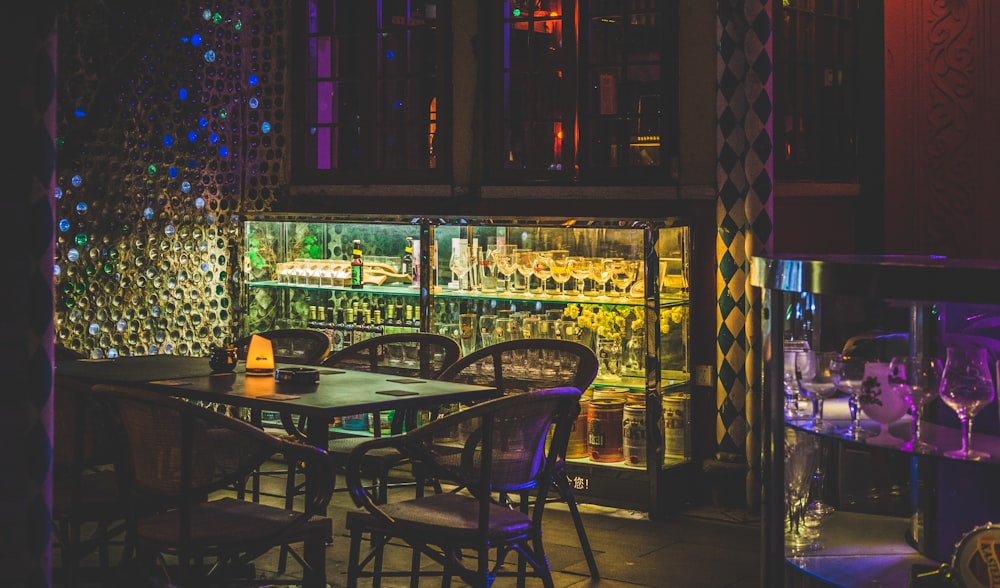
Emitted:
<point x="297" y="375"/>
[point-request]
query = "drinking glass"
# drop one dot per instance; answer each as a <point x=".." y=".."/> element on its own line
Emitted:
<point x="966" y="387"/>
<point x="791" y="378"/>
<point x="920" y="379"/>
<point x="524" y="261"/>
<point x="460" y="262"/>
<point x="579" y="268"/>
<point x="488" y="330"/>
<point x="800" y="457"/>
<point x="622" y="275"/>
<point x="467" y="331"/>
<point x="503" y="255"/>
<point x="882" y="401"/>
<point x="848" y="373"/>
<point x="815" y="379"/>
<point x="560" y="268"/>
<point x="600" y="272"/>
<point x="543" y="270"/>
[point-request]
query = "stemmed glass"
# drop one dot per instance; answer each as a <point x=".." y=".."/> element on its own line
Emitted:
<point x="600" y="272"/>
<point x="622" y="275"/>
<point x="920" y="379"/>
<point x="813" y="368"/>
<point x="966" y="387"/>
<point x="503" y="256"/>
<point x="460" y="262"/>
<point x="579" y="268"/>
<point x="560" y="268"/>
<point x="882" y="401"/>
<point x="848" y="374"/>
<point x="543" y="270"/>
<point x="524" y="260"/>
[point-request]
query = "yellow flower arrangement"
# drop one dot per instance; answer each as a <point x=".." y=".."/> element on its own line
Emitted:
<point x="607" y="320"/>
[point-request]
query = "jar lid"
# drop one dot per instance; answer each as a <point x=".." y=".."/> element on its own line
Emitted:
<point x="976" y="562"/>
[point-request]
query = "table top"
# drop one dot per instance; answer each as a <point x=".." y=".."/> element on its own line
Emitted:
<point x="338" y="393"/>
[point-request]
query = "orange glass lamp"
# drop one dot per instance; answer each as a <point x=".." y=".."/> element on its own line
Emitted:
<point x="260" y="357"/>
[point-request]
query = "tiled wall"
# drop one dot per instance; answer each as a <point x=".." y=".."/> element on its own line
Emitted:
<point x="170" y="126"/>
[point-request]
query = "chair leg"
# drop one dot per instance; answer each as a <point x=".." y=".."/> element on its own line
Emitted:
<point x="566" y="493"/>
<point x="354" y="559"/>
<point x="314" y="551"/>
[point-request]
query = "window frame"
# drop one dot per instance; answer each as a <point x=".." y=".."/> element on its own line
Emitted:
<point x="368" y="172"/>
<point x="573" y="103"/>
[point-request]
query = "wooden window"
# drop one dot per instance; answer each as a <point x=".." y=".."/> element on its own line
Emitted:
<point x="583" y="91"/>
<point x="374" y="90"/>
<point x="815" y="81"/>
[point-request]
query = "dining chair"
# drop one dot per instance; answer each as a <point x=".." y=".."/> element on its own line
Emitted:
<point x="88" y="514"/>
<point x="522" y="365"/>
<point x="177" y="459"/>
<point x="408" y="355"/>
<point x="507" y="445"/>
<point x="296" y="346"/>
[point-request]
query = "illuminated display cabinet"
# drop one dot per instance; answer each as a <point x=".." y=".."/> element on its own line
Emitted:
<point x="620" y="286"/>
<point x="900" y="510"/>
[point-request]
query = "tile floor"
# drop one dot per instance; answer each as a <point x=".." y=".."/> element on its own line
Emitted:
<point x="703" y="547"/>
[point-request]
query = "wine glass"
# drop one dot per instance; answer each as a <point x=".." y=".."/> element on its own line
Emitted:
<point x="503" y="256"/>
<point x="543" y="270"/>
<point x="579" y="268"/>
<point x="815" y="380"/>
<point x="560" y="268"/>
<point x="966" y="387"/>
<point x="600" y="272"/>
<point x="622" y="275"/>
<point x="920" y="378"/>
<point x="848" y="373"/>
<point x="882" y="401"/>
<point x="460" y="262"/>
<point x="524" y="261"/>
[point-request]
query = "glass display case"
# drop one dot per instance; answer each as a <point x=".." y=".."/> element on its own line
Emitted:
<point x="884" y="488"/>
<point x="619" y="286"/>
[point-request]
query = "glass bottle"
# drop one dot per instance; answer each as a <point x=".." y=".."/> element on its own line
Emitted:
<point x="357" y="266"/>
<point x="406" y="265"/>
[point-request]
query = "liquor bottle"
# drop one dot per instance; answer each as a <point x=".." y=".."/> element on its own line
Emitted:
<point x="338" y="331"/>
<point x="360" y="330"/>
<point x="348" y="327"/>
<point x="313" y="321"/>
<point x="378" y="326"/>
<point x="327" y="323"/>
<point x="406" y="265"/>
<point x="408" y="321"/>
<point x="357" y="266"/>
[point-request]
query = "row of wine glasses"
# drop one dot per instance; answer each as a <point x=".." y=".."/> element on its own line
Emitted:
<point x="519" y="265"/>
<point x="884" y="392"/>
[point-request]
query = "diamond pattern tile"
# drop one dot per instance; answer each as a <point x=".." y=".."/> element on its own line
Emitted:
<point x="745" y="190"/>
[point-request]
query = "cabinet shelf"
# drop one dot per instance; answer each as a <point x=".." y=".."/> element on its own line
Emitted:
<point x="395" y="290"/>
<point x="898" y="512"/>
<point x="292" y="264"/>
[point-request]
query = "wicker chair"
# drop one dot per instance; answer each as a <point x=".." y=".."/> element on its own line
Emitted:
<point x="494" y="447"/>
<point x="410" y="355"/>
<point x="176" y="454"/>
<point x="298" y="346"/>
<point x="521" y="365"/>
<point x="88" y="513"/>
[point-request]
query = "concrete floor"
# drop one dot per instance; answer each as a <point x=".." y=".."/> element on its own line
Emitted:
<point x="703" y="547"/>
